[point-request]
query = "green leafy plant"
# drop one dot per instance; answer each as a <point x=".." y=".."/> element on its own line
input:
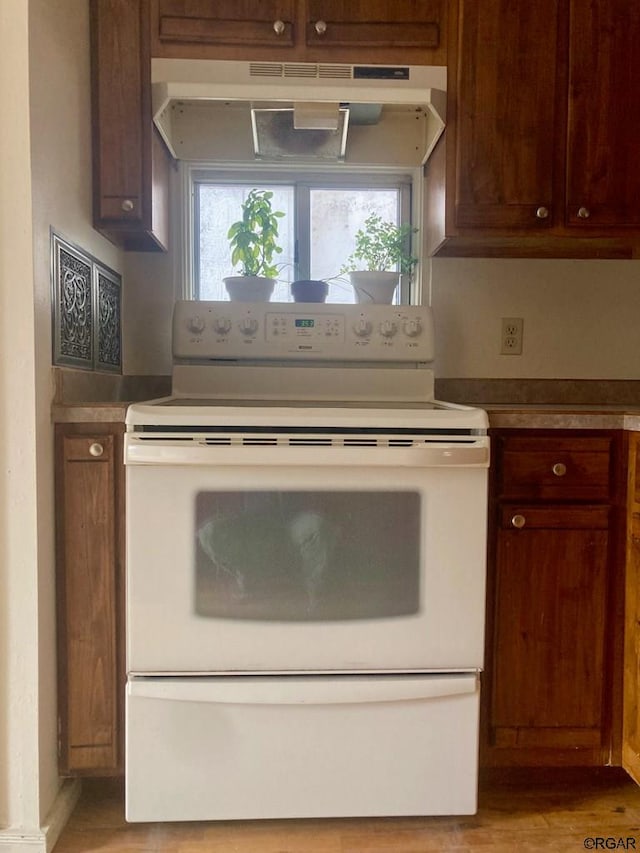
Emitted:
<point x="253" y="238"/>
<point x="381" y="246"/>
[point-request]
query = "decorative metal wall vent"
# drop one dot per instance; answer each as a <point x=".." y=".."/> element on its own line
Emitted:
<point x="86" y="300"/>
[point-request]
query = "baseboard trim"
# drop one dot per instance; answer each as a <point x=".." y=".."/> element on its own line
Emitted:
<point x="43" y="839"/>
<point x="60" y="811"/>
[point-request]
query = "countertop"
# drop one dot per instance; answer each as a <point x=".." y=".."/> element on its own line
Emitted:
<point x="563" y="416"/>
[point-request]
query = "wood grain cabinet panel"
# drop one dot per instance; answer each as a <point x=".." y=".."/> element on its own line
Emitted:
<point x="543" y="127"/>
<point x="506" y="96"/>
<point x="553" y="678"/>
<point x="249" y="24"/>
<point x="631" y="704"/>
<point x="407" y="28"/>
<point x="548" y="685"/>
<point x="130" y="162"/>
<point x="378" y="31"/>
<point x="603" y="134"/>
<point x="89" y="509"/>
<point x="556" y="469"/>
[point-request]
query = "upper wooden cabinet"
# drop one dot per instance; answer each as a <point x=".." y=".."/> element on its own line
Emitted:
<point x="377" y="31"/>
<point x="543" y="120"/>
<point x="130" y="161"/>
<point x="603" y="131"/>
<point x="505" y="110"/>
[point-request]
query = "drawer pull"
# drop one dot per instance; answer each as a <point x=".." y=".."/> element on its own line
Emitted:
<point x="278" y="27"/>
<point x="518" y="521"/>
<point x="320" y="27"/>
<point x="96" y="449"/>
<point x="559" y="469"/>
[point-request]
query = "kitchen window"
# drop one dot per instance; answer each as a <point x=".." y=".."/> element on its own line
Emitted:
<point x="323" y="212"/>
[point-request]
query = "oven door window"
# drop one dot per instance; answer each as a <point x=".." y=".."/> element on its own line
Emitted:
<point x="305" y="556"/>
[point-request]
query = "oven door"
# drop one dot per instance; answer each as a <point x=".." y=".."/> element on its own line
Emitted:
<point x="296" y="559"/>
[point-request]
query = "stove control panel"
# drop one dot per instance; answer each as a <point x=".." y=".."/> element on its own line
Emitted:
<point x="302" y="331"/>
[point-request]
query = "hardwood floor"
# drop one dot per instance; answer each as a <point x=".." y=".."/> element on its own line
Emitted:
<point x="524" y="811"/>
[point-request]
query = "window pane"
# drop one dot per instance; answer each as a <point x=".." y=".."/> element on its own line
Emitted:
<point x="336" y="216"/>
<point x="218" y="206"/>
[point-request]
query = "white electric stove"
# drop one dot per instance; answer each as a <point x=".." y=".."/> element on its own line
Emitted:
<point x="305" y="571"/>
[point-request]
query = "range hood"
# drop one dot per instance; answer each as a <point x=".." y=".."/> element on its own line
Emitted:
<point x="298" y="111"/>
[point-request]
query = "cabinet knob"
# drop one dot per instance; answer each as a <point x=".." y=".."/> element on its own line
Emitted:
<point x="542" y="212"/>
<point x="96" y="449"/>
<point x="518" y="521"/>
<point x="559" y="469"/>
<point x="320" y="27"/>
<point x="584" y="213"/>
<point x="278" y="27"/>
<point x="127" y="205"/>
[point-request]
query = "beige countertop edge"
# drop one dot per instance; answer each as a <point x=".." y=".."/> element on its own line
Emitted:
<point x="500" y="416"/>
<point x="89" y="413"/>
<point x="563" y="417"/>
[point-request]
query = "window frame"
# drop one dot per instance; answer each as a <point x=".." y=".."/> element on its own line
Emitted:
<point x="409" y="180"/>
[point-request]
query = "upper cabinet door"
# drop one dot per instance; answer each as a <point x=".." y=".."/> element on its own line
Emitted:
<point x="603" y="178"/>
<point x="377" y="31"/>
<point x="188" y="26"/>
<point x="504" y="104"/>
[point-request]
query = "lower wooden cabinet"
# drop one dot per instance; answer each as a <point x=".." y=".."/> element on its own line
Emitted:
<point x="631" y="704"/>
<point x="90" y="589"/>
<point x="552" y="685"/>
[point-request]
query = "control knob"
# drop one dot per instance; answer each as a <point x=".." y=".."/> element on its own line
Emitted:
<point x="412" y="328"/>
<point x="388" y="328"/>
<point x="248" y="326"/>
<point x="196" y="325"/>
<point x="222" y="325"/>
<point x="362" y="328"/>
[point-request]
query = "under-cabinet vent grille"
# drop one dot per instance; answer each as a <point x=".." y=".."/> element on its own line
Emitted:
<point x="266" y="69"/>
<point x="301" y="70"/>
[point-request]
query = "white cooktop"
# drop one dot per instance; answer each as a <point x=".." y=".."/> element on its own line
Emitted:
<point x="303" y="366"/>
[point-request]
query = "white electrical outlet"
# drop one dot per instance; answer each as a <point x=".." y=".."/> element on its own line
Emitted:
<point x="511" y="339"/>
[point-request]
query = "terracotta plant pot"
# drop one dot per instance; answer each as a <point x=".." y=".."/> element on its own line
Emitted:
<point x="308" y="290"/>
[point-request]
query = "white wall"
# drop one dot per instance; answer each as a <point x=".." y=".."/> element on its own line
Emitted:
<point x="60" y="96"/>
<point x="18" y="521"/>
<point x="580" y="318"/>
<point x="45" y="180"/>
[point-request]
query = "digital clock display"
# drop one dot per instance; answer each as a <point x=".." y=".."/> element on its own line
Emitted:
<point x="304" y="323"/>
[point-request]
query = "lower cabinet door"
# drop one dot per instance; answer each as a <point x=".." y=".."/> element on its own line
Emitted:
<point x="89" y="570"/>
<point x="549" y="660"/>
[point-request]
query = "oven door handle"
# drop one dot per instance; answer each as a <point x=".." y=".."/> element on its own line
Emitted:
<point x="142" y="452"/>
<point x="293" y="690"/>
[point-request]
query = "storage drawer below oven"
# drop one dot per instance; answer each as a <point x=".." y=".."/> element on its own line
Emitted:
<point x="301" y="746"/>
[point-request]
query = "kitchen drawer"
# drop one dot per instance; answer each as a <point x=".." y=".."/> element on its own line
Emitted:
<point x="555" y="468"/>
<point x="519" y="517"/>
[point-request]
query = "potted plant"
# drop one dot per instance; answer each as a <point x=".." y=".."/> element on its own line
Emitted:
<point x="253" y="244"/>
<point x="382" y="254"/>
